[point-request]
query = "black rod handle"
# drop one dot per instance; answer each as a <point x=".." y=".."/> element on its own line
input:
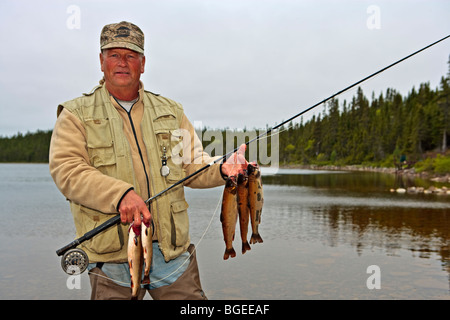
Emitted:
<point x="88" y="235"/>
<point x="69" y="246"/>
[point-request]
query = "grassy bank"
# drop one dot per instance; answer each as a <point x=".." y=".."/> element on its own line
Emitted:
<point x="434" y="167"/>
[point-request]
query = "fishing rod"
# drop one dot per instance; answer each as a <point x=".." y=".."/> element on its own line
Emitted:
<point x="78" y="258"/>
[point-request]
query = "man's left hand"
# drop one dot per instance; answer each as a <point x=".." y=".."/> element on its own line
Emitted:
<point x="236" y="163"/>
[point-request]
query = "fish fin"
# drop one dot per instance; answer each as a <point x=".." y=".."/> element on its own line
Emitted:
<point x="256" y="238"/>
<point x="228" y="253"/>
<point x="245" y="247"/>
<point x="146" y="279"/>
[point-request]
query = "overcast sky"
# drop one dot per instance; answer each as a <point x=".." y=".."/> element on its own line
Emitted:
<point x="230" y="63"/>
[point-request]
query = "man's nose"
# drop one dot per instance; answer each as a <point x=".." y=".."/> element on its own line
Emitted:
<point x="123" y="61"/>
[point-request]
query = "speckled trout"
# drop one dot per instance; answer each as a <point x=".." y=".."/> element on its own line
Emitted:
<point x="147" y="247"/>
<point x="228" y="216"/>
<point x="255" y="200"/>
<point x="135" y="258"/>
<point x="243" y="209"/>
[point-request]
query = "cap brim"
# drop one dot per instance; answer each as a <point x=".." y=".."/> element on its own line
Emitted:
<point x="125" y="45"/>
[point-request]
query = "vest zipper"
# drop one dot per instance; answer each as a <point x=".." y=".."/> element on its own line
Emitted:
<point x="137" y="144"/>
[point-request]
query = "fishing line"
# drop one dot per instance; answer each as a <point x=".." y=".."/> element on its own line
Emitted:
<point x="116" y="219"/>
<point x="354" y="85"/>
<point x="225" y="156"/>
<point x="198" y="242"/>
<point x="270" y="131"/>
<point x="196" y="245"/>
<point x="184" y="262"/>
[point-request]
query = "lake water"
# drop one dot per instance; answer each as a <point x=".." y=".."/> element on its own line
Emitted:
<point x="322" y="231"/>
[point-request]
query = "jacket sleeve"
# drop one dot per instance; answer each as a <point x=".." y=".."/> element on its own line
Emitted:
<point x="72" y="172"/>
<point x="194" y="158"/>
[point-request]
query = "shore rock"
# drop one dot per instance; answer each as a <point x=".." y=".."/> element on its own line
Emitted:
<point x="405" y="172"/>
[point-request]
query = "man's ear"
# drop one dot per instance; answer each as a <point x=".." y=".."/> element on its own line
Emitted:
<point x="101" y="61"/>
<point x="143" y="64"/>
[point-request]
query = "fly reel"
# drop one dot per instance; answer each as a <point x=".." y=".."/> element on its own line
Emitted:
<point x="74" y="261"/>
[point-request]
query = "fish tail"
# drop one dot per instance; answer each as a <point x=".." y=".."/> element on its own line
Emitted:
<point x="146" y="279"/>
<point x="133" y="293"/>
<point x="256" y="238"/>
<point x="228" y="253"/>
<point x="245" y="247"/>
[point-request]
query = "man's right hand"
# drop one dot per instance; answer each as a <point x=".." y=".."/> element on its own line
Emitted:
<point x="132" y="207"/>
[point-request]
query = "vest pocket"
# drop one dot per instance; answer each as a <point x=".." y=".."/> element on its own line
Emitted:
<point x="167" y="138"/>
<point x="100" y="145"/>
<point x="164" y="118"/>
<point x="166" y="127"/>
<point x="176" y="172"/>
<point x="108" y="241"/>
<point x="180" y="223"/>
<point x="102" y="157"/>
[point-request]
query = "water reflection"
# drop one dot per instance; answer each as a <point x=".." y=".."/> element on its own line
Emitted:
<point x="356" y="209"/>
<point x="359" y="181"/>
<point x="423" y="231"/>
<point x="320" y="229"/>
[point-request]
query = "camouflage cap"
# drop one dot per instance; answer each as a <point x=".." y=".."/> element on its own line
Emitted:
<point x="122" y="35"/>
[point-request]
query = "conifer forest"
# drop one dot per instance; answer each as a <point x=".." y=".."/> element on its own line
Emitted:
<point x="374" y="130"/>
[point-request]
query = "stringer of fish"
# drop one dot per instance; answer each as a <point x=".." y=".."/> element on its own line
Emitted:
<point x="140" y="252"/>
<point x="242" y="197"/>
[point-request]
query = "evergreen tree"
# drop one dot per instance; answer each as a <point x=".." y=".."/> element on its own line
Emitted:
<point x="379" y="131"/>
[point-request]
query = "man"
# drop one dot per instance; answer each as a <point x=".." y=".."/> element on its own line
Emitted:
<point x="115" y="147"/>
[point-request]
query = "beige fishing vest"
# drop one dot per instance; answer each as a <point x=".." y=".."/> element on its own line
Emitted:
<point x="109" y="152"/>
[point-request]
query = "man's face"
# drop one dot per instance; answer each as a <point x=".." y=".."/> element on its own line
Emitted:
<point x="122" y="67"/>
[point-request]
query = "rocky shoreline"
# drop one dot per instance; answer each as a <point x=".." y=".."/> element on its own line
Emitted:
<point x="441" y="179"/>
<point x="430" y="190"/>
